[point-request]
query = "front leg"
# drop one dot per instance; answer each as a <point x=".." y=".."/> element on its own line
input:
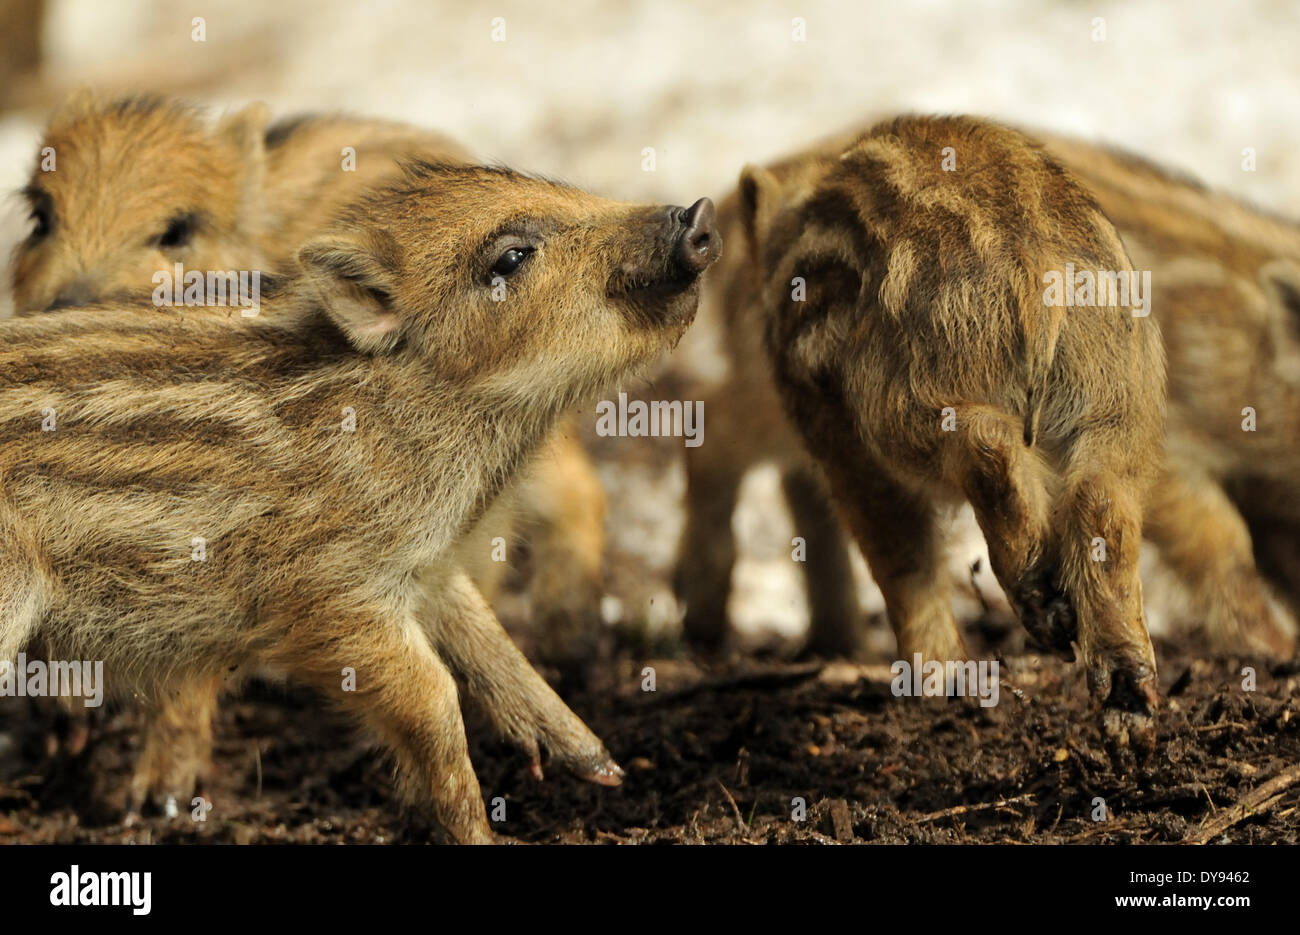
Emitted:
<point x="177" y="751"/>
<point x="521" y="707"/>
<point x="403" y="693"/>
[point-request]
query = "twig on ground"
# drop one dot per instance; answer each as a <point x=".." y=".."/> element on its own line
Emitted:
<point x="1256" y="802"/>
<point x="1117" y="826"/>
<point x="965" y="809"/>
<point x="739" y="819"/>
<point x="1214" y="809"/>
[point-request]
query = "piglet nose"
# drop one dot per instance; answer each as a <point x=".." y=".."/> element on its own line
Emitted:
<point x="699" y="244"/>
<point x="72" y="295"/>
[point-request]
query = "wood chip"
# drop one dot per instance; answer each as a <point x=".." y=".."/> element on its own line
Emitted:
<point x="841" y="820"/>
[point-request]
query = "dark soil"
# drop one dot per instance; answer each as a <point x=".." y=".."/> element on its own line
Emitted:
<point x="721" y="755"/>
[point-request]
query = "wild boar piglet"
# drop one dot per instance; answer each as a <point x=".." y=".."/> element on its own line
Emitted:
<point x="950" y="317"/>
<point x="184" y="495"/>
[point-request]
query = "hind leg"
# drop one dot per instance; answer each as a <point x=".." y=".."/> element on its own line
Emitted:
<point x="707" y="553"/>
<point x="1006" y="486"/>
<point x="834" y="629"/>
<point x="565" y="506"/>
<point x="64" y="721"/>
<point x="1206" y="541"/>
<point x="23" y="598"/>
<point x="24" y="594"/>
<point x="1100" y="521"/>
<point x="898" y="531"/>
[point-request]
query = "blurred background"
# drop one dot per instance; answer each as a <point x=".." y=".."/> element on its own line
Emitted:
<point x="578" y="91"/>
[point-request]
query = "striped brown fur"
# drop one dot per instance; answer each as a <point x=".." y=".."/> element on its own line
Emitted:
<point x="126" y="167"/>
<point x="1226" y="282"/>
<point x="1227" y="295"/>
<point x="926" y="294"/>
<point x="326" y="548"/>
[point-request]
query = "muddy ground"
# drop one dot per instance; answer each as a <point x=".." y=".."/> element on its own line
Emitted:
<point x="719" y="755"/>
<point x="720" y="751"/>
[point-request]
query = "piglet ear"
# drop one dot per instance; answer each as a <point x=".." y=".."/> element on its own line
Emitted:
<point x="356" y="286"/>
<point x="244" y="131"/>
<point x="760" y="197"/>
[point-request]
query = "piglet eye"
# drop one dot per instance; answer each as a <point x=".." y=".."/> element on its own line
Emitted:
<point x="41" y="221"/>
<point x="42" y="213"/>
<point x="511" y="260"/>
<point x="179" y="232"/>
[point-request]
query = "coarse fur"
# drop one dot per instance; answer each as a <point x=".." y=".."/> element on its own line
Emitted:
<point x="247" y="196"/>
<point x="326" y="549"/>
<point x="124" y="171"/>
<point x="1225" y="278"/>
<point x="926" y="365"/>
<point x="1226" y="282"/>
